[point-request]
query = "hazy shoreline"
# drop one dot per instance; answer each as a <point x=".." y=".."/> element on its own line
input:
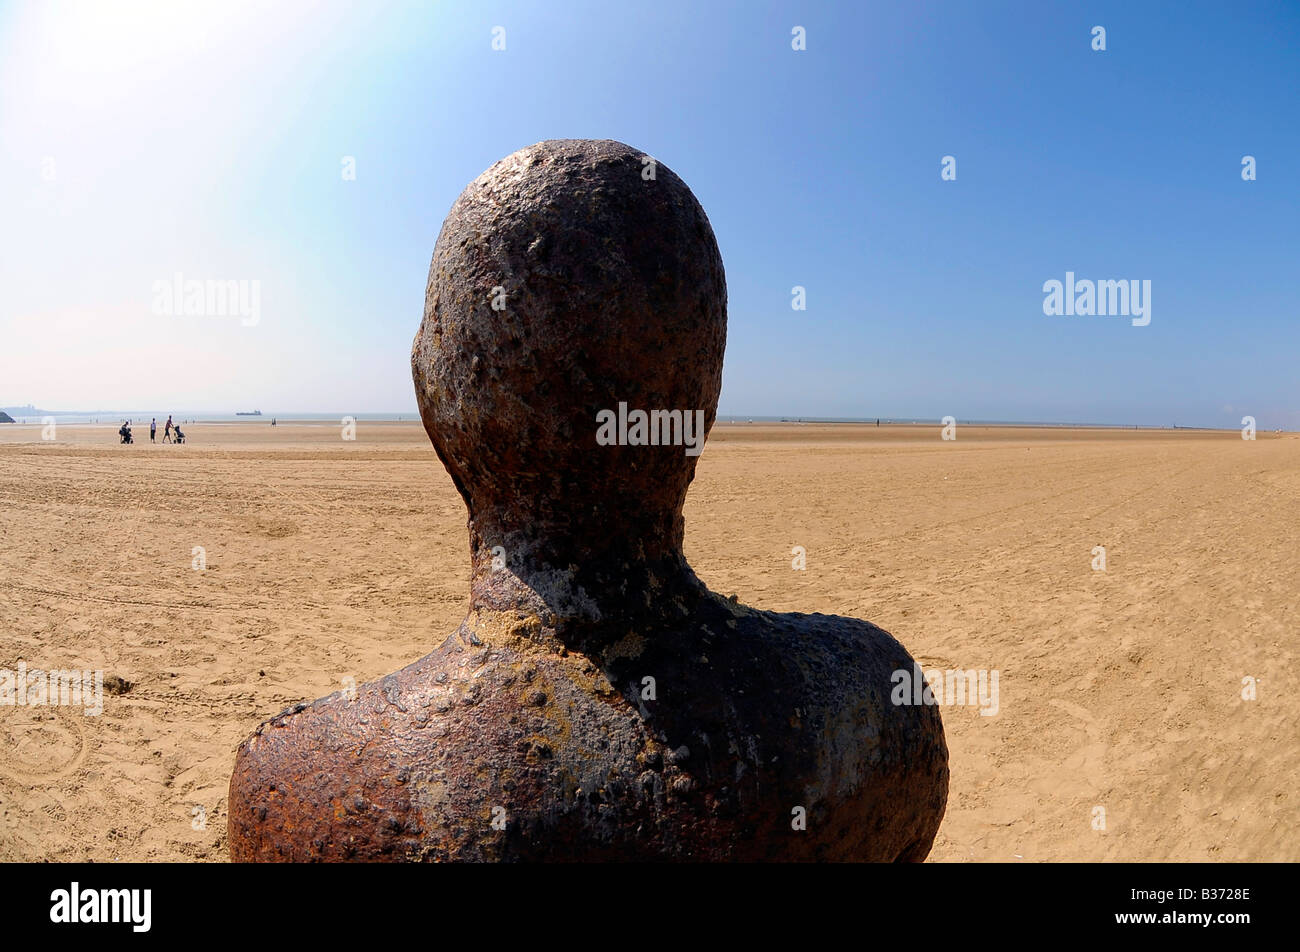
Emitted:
<point x="114" y="419"/>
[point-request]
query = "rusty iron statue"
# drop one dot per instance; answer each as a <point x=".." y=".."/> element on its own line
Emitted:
<point x="598" y="702"/>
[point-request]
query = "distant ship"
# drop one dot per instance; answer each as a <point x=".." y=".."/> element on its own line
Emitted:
<point x="248" y="413"/>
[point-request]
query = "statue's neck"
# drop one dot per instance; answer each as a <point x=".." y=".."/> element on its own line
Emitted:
<point x="580" y="591"/>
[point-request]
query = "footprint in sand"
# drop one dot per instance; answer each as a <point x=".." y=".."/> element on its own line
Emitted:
<point x="1088" y="760"/>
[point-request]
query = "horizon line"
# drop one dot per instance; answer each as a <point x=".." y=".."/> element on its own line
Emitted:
<point x="398" y="415"/>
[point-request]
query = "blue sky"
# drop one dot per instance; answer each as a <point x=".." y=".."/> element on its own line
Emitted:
<point x="142" y="140"/>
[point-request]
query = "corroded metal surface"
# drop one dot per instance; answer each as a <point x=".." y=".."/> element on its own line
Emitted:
<point x="598" y="702"/>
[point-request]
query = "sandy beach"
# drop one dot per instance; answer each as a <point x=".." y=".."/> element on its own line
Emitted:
<point x="325" y="560"/>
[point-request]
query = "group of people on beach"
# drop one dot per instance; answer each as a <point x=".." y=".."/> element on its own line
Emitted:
<point x="171" y="432"/>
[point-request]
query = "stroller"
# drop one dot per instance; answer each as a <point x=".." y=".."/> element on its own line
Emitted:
<point x="177" y="435"/>
<point x="124" y="431"/>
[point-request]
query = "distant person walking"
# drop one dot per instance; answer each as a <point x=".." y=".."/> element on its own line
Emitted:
<point x="153" y="429"/>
